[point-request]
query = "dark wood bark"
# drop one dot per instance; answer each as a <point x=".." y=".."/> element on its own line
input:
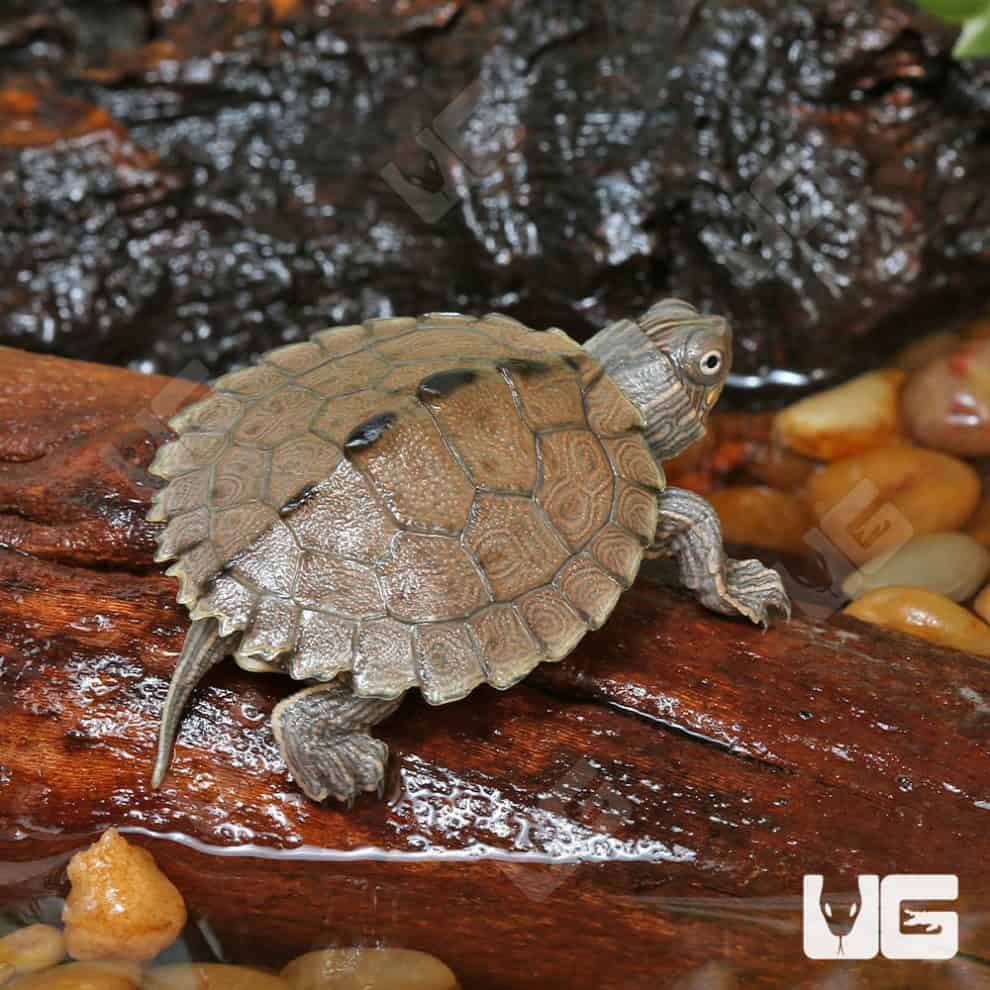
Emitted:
<point x="624" y="819"/>
<point x="213" y="173"/>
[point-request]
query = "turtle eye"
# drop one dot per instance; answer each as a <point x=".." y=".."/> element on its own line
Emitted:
<point x="711" y="362"/>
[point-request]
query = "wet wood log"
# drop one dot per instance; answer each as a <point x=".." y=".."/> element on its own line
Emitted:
<point x="638" y="816"/>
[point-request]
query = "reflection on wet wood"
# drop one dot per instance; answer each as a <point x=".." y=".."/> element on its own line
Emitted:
<point x="643" y="809"/>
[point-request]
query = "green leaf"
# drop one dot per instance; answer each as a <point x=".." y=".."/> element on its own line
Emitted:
<point x="975" y="37"/>
<point x="956" y="11"/>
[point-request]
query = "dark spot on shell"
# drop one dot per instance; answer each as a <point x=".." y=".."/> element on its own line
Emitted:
<point x="572" y="362"/>
<point x="523" y="366"/>
<point x="368" y="432"/>
<point x="444" y="382"/>
<point x="297" y="500"/>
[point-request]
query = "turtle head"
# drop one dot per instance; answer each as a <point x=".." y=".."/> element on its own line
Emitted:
<point x="671" y="364"/>
<point x="697" y="350"/>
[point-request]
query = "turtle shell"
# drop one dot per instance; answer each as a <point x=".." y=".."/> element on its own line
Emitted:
<point x="434" y="503"/>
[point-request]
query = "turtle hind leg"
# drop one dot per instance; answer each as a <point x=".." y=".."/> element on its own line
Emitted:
<point x="322" y="732"/>
<point x="202" y="650"/>
<point x="689" y="530"/>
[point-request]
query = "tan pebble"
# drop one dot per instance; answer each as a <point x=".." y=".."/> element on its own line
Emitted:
<point x="946" y="404"/>
<point x="922" y="352"/>
<point x="781" y="468"/>
<point x="368" y="969"/>
<point x="979" y="523"/>
<point x="925" y="614"/>
<point x="121" y="906"/>
<point x="950" y="564"/>
<point x="848" y="419"/>
<point x="981" y="605"/>
<point x="30" y="949"/>
<point x="210" y="976"/>
<point x="83" y="976"/>
<point x="872" y="503"/>
<point x="762" y="517"/>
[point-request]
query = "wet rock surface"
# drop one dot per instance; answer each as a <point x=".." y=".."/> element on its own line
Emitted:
<point x="185" y="182"/>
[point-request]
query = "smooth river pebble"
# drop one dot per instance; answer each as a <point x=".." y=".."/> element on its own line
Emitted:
<point x="981" y="605"/>
<point x="762" y="517"/>
<point x="30" y="949"/>
<point x="950" y="564"/>
<point x="121" y="906"/>
<point x="210" y="976"/>
<point x="368" y="969"/>
<point x="925" y="614"/>
<point x="946" y="404"/>
<point x="871" y="503"/>
<point x="848" y="419"/>
<point x="83" y="976"/>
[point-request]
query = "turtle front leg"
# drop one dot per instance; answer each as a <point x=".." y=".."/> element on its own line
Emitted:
<point x="688" y="530"/>
<point x="322" y="732"/>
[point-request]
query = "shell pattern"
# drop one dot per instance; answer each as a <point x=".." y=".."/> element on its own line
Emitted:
<point x="435" y="503"/>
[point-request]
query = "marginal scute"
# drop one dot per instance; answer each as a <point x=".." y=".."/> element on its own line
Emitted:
<point x="338" y="341"/>
<point x="239" y="476"/>
<point x="193" y="569"/>
<point x="555" y="340"/>
<point x="633" y="461"/>
<point x="296" y="358"/>
<point x="576" y="488"/>
<point x="229" y="601"/>
<point x="510" y="652"/>
<point x="554" y="623"/>
<point x="618" y="552"/>
<point x="430" y="578"/>
<point x="439" y="342"/>
<point x="215" y="413"/>
<point x="449" y="664"/>
<point x="182" y="533"/>
<point x="589" y="590"/>
<point x="390" y="326"/>
<point x="504" y="326"/>
<point x="514" y="546"/>
<point x="343" y="515"/>
<point x="609" y="411"/>
<point x="277" y="418"/>
<point x="189" y="452"/>
<point x="324" y="647"/>
<point x="183" y="494"/>
<point x="251" y="382"/>
<point x="272" y="631"/>
<point x="637" y="511"/>
<point x="345" y="374"/>
<point x="384" y="665"/>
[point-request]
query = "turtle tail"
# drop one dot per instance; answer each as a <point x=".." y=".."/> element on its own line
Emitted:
<point x="203" y="649"/>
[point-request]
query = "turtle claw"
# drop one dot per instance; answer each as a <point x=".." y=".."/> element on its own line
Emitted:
<point x="754" y="591"/>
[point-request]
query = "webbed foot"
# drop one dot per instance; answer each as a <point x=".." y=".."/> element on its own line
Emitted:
<point x="689" y="530"/>
<point x="750" y="589"/>
<point x="323" y="734"/>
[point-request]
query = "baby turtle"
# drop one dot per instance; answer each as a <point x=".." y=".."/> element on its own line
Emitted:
<point x="434" y="503"/>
